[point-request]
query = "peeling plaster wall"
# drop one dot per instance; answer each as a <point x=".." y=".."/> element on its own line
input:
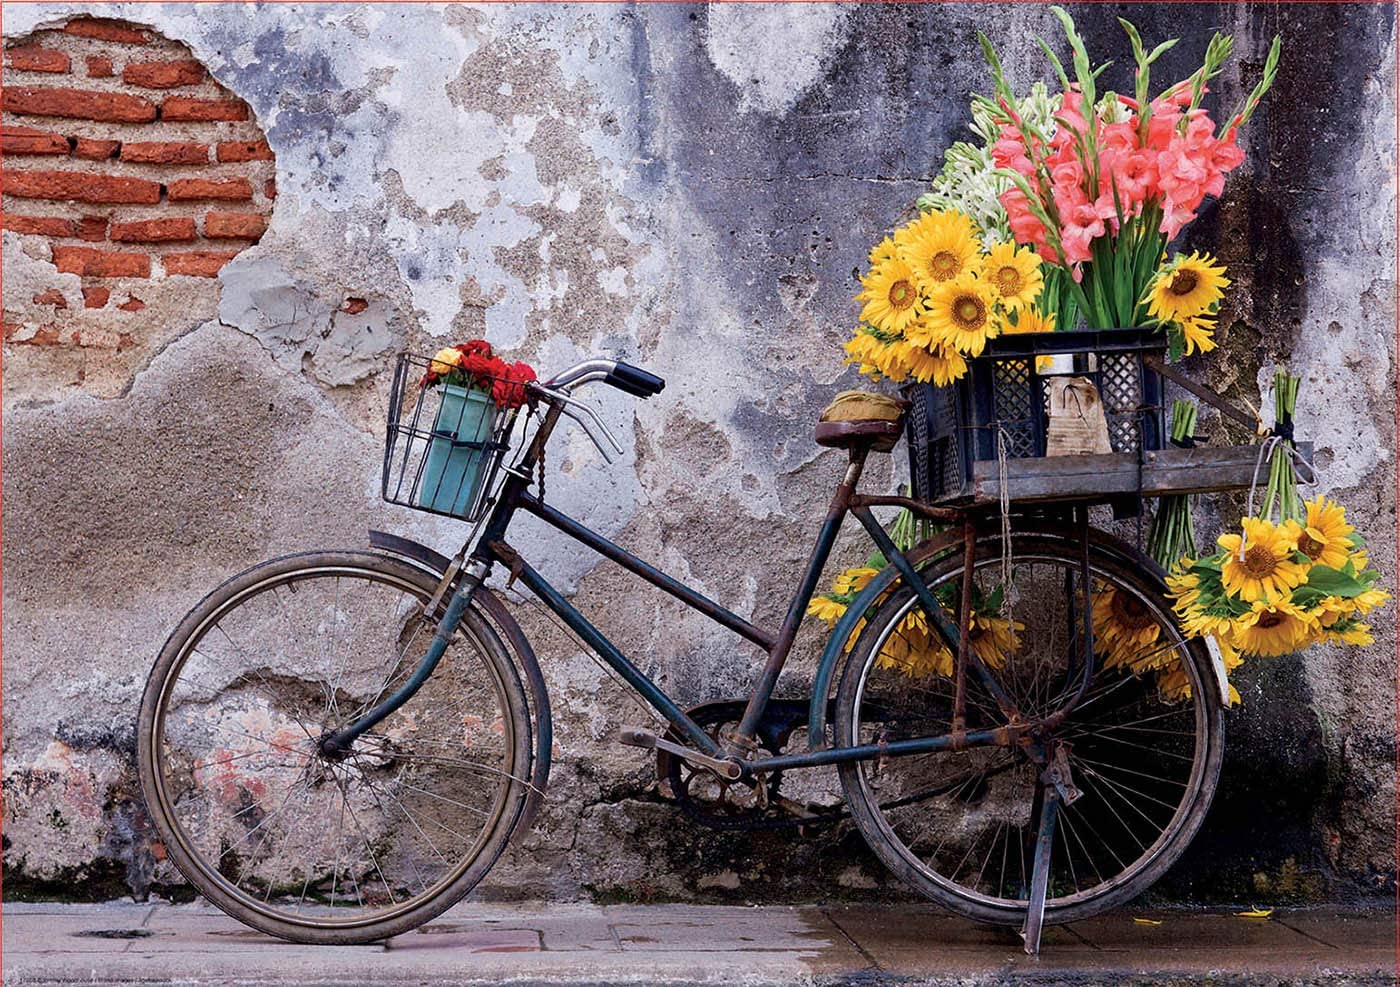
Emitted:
<point x="688" y="187"/>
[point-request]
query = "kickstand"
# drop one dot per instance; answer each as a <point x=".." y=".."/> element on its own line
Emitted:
<point x="1040" y="868"/>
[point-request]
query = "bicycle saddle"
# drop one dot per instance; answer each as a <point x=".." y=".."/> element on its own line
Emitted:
<point x="857" y="418"/>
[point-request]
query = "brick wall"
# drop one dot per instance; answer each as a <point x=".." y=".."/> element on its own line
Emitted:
<point x="127" y="165"/>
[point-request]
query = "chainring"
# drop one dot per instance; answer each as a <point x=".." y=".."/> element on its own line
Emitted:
<point x="748" y="804"/>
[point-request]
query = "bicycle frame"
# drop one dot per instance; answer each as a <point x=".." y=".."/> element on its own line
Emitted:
<point x="492" y="548"/>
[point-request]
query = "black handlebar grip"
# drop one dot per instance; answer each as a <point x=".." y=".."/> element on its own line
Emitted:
<point x="635" y="380"/>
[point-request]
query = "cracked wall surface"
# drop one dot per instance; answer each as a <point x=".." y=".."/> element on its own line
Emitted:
<point x="687" y="187"/>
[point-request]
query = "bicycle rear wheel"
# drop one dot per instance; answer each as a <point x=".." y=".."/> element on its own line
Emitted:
<point x="331" y="850"/>
<point x="1144" y="744"/>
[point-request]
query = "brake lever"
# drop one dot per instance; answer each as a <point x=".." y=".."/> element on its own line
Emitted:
<point x="575" y="409"/>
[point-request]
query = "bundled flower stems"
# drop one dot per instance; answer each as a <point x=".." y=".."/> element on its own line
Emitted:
<point x="1173" y="532"/>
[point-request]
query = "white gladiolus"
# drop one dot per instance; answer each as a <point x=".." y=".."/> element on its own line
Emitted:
<point x="968" y="181"/>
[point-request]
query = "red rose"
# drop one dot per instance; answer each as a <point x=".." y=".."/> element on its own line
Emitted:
<point x="509" y="389"/>
<point x="475" y="347"/>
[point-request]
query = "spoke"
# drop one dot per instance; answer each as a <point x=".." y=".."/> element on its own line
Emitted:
<point x="1131" y="771"/>
<point x="345" y="797"/>
<point x="374" y="792"/>
<point x="1123" y="822"/>
<point x="442" y="798"/>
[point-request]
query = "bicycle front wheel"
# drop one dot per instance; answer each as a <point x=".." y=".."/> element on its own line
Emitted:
<point x="1143" y="745"/>
<point x="307" y="847"/>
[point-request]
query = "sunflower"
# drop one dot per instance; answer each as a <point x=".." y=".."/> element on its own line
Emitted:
<point x="827" y="609"/>
<point x="1367" y="601"/>
<point x="1029" y="319"/>
<point x="939" y="247"/>
<point x="876" y="358"/>
<point x="1198" y="333"/>
<point x="1013" y="277"/>
<point x="961" y="316"/>
<point x="915" y="652"/>
<point x="937" y="364"/>
<point x="1271" y="629"/>
<point x="882" y="252"/>
<point x="1347" y="632"/>
<point x="891" y="296"/>
<point x="993" y="638"/>
<point x="853" y="580"/>
<point x="1125" y="632"/>
<point x="1186" y="288"/>
<point x="1322" y="536"/>
<point x="1265" y="569"/>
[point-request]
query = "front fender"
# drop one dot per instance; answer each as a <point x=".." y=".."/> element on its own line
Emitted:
<point x="436" y="563"/>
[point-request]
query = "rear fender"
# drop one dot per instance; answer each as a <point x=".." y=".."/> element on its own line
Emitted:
<point x="436" y="563"/>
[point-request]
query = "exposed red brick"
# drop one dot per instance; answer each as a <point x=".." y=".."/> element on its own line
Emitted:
<point x="27" y="140"/>
<point x="79" y="104"/>
<point x="185" y="108"/>
<point x="199" y="264"/>
<point x="163" y="75"/>
<point x="42" y="225"/>
<point x="165" y="152"/>
<point x="95" y="297"/>
<point x="52" y="297"/>
<point x="354" y="306"/>
<point x="99" y="67"/>
<point x="101" y="264"/>
<point x="92" y="228"/>
<point x="132" y="304"/>
<point x="105" y="30"/>
<point x="32" y="58"/>
<point x="270" y="188"/>
<point x="95" y="150"/>
<point x="80" y="187"/>
<point x="168" y="230"/>
<point x="244" y="151"/>
<point x="227" y="189"/>
<point x="234" y="225"/>
<point x="48" y="335"/>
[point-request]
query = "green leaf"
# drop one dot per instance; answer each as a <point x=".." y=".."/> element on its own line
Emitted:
<point x="1333" y="582"/>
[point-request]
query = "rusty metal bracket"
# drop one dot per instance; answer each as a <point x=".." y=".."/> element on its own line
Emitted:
<point x="510" y="557"/>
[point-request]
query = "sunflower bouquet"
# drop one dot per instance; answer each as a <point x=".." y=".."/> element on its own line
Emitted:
<point x="933" y="297"/>
<point x="1295" y="574"/>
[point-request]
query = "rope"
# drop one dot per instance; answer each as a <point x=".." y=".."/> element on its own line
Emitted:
<point x="1295" y="459"/>
<point x="1005" y="505"/>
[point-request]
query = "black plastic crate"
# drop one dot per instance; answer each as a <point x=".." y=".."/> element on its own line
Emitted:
<point x="952" y="428"/>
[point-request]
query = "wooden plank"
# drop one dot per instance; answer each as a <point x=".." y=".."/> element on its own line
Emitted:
<point x="1168" y="471"/>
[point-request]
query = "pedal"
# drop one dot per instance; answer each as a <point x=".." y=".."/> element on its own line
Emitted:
<point x="729" y="769"/>
<point x="637" y="737"/>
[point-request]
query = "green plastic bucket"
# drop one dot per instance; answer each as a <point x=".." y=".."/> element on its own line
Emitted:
<point x="457" y="451"/>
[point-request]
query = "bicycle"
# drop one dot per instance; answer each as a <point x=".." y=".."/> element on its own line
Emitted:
<point x="335" y="747"/>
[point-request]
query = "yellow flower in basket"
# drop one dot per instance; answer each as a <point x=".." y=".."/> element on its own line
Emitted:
<point x="960" y="317"/>
<point x="939" y="246"/>
<point x="891" y="296"/>
<point x="445" y="360"/>
<point x="1186" y="288"/>
<point x="1013" y="276"/>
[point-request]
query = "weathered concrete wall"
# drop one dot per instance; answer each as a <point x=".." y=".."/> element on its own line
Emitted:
<point x="689" y="187"/>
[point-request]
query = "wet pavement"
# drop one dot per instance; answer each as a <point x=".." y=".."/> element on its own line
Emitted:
<point x="689" y="944"/>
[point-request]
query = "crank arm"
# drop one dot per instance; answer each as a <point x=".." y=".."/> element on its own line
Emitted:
<point x="730" y="770"/>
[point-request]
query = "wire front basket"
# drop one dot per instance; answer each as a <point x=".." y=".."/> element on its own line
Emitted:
<point x="444" y="443"/>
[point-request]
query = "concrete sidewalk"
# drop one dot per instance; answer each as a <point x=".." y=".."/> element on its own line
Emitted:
<point x="686" y="944"/>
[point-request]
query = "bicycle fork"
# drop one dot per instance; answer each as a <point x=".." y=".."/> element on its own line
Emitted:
<point x="336" y="744"/>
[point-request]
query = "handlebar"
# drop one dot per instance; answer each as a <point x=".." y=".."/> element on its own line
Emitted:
<point x="623" y="376"/>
